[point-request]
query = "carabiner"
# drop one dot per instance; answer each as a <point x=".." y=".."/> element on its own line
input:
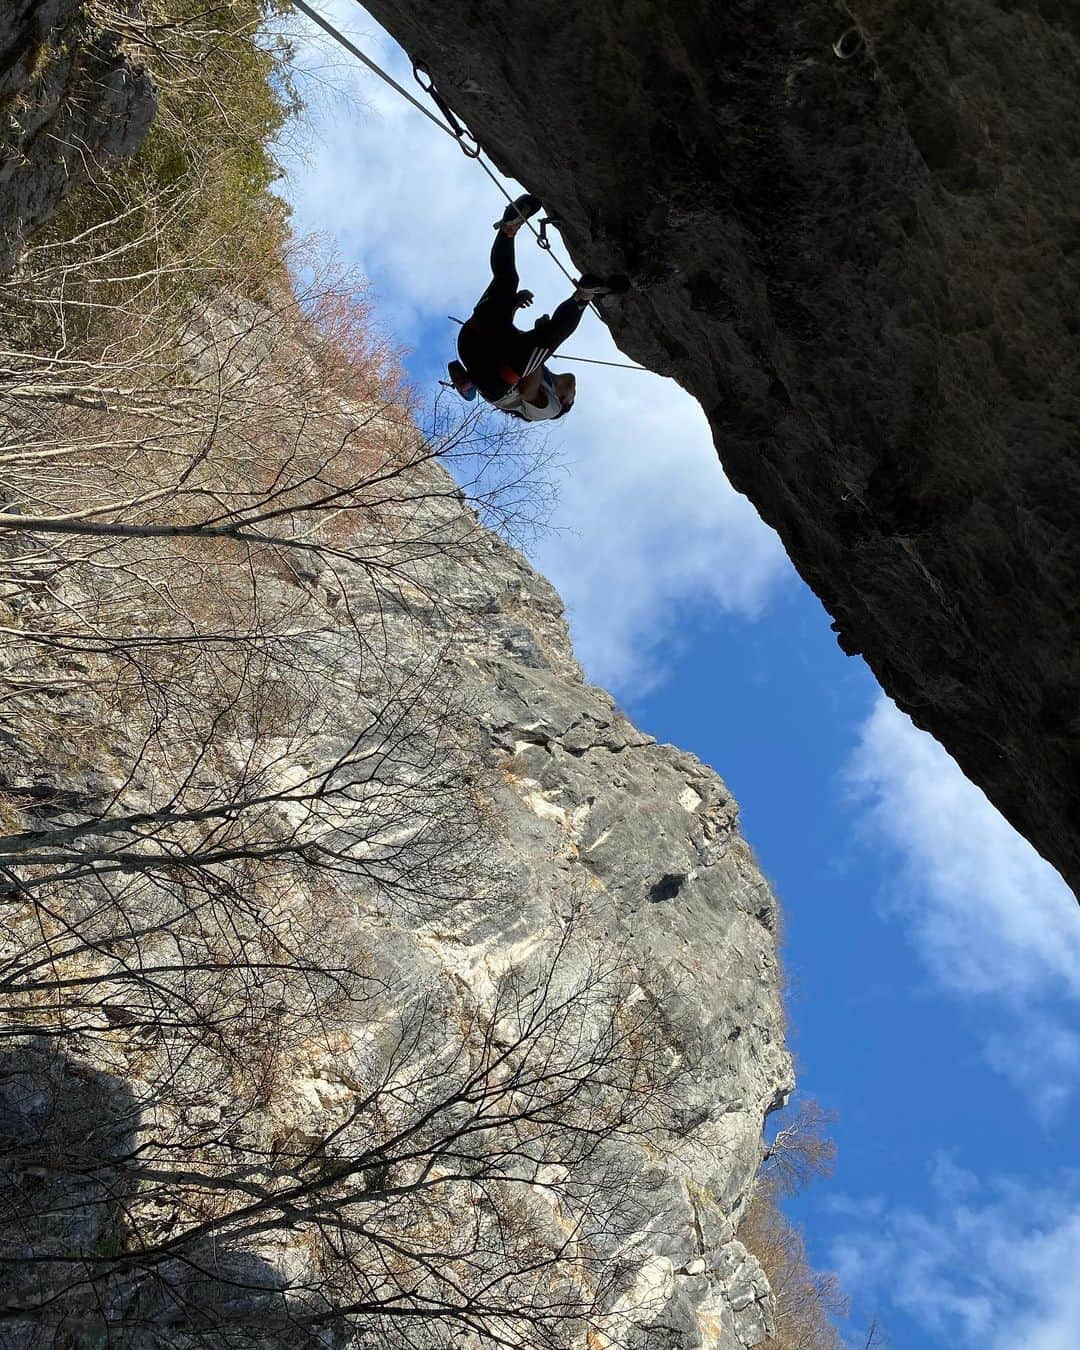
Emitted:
<point x="541" y="237"/>
<point x="847" y="44"/>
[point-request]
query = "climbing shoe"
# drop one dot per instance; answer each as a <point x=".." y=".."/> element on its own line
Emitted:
<point x="461" y="380"/>
<point x="593" y="287"/>
<point x="520" y="209"/>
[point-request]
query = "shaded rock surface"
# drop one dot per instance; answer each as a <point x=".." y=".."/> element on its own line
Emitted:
<point x="69" y="98"/>
<point x="864" y="260"/>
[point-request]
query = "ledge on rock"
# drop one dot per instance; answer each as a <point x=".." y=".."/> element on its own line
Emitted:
<point x="864" y="261"/>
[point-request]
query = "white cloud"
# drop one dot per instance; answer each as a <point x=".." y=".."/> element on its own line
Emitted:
<point x="656" y="528"/>
<point x="398" y="197"/>
<point x="647" y="523"/>
<point x="1041" y="1057"/>
<point x="989" y="916"/>
<point x="990" y="1265"/>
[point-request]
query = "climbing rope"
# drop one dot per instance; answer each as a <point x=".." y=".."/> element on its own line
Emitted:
<point x="378" y="70"/>
<point x="588" y="360"/>
<point x="453" y="128"/>
<point x="594" y="361"/>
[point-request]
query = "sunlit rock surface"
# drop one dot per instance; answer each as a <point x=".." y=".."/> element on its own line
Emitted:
<point x="644" y="838"/>
<point x="593" y="830"/>
<point x="854" y="237"/>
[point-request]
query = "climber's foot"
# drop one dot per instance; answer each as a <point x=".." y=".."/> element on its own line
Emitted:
<point x="461" y="380"/>
<point x="518" y="212"/>
<point x="593" y="287"/>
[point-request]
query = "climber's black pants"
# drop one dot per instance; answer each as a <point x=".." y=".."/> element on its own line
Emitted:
<point x="495" y="353"/>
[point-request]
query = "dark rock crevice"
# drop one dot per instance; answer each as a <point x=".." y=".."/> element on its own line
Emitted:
<point x="667" y="888"/>
<point x="867" y="271"/>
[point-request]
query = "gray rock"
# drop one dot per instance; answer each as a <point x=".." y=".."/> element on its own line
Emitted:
<point x="592" y="806"/>
<point x="595" y="829"/>
<point x="69" y="97"/>
<point x="865" y="269"/>
<point x="746" y="1292"/>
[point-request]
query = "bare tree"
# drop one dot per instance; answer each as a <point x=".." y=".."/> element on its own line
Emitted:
<point x="224" y="421"/>
<point x="800" y="1149"/>
<point x="213" y="551"/>
<point x="475" y="1183"/>
<point x="241" y="1104"/>
<point x="807" y="1300"/>
<point x="876" y="1337"/>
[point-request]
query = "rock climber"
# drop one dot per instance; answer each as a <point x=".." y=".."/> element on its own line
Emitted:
<point x="505" y="365"/>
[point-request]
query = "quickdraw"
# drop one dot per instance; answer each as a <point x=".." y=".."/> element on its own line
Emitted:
<point x="541" y="238"/>
<point x="461" y="134"/>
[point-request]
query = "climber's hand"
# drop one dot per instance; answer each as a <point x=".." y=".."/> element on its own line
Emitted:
<point x="523" y="299"/>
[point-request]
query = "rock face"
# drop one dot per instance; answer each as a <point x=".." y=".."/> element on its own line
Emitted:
<point x="597" y="850"/>
<point x="854" y="237"/>
<point x="593" y="808"/>
<point x="638" y="840"/>
<point x="642" y="841"/>
<point x="68" y="98"/>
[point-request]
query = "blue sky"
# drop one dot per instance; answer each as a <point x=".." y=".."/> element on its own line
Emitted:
<point x="933" y="959"/>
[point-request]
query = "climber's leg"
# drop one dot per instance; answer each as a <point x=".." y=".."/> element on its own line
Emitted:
<point x="517" y="213"/>
<point x="529" y="350"/>
<point x="533" y="347"/>
<point x="548" y="334"/>
<point x="501" y="299"/>
<point x="553" y="332"/>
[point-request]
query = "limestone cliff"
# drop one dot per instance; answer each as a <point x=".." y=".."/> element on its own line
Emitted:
<point x="380" y="868"/>
<point x="853" y="234"/>
<point x="648" y="835"/>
